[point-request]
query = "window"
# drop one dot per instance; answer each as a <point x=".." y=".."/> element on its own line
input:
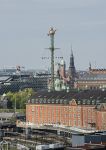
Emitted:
<point x="75" y="115"/>
<point x="79" y="122"/>
<point x="36" y="101"/>
<point x="57" y="101"/>
<point x="33" y="108"/>
<point x="75" y="122"/>
<point x="88" y="102"/>
<point x="44" y="101"/>
<point x="40" y="101"/>
<point x="84" y="101"/>
<point x="61" y="101"/>
<point x="53" y="100"/>
<point x="65" y="101"/>
<point x="79" y="115"/>
<point x="79" y="102"/>
<point x="32" y="100"/>
<point x="48" y="101"/>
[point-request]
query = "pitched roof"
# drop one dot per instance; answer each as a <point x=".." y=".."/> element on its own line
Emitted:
<point x="86" y="97"/>
<point x="90" y="76"/>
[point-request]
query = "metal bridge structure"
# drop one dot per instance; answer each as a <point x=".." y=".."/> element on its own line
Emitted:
<point x="56" y="127"/>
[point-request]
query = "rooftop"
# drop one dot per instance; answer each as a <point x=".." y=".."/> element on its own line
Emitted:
<point x="86" y="97"/>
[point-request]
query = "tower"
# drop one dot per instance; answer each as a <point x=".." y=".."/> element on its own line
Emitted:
<point x="72" y="72"/>
<point x="62" y="69"/>
<point x="51" y="34"/>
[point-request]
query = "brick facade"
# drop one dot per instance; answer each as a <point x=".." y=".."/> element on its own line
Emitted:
<point x="84" y="116"/>
<point x="85" y="109"/>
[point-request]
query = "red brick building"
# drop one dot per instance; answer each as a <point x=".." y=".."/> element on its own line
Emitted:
<point x="85" y="109"/>
<point x="101" y="116"/>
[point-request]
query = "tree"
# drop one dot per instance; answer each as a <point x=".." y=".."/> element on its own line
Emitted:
<point x="20" y="98"/>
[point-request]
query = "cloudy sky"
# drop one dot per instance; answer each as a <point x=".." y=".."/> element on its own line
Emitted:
<point x="24" y="25"/>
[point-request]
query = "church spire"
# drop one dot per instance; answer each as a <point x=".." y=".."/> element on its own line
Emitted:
<point x="71" y="51"/>
<point x="71" y="58"/>
<point x="89" y="66"/>
<point x="72" y="72"/>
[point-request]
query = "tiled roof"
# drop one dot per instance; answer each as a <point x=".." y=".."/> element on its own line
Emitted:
<point x="87" y="97"/>
<point x="90" y="76"/>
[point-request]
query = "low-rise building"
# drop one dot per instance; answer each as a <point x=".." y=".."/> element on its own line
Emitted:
<point x="89" y="141"/>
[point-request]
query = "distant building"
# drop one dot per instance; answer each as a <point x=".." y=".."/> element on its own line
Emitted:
<point x="6" y="117"/>
<point x="5" y="103"/>
<point x="16" y="82"/>
<point x="85" y="109"/>
<point x="96" y="140"/>
<point x="93" y="79"/>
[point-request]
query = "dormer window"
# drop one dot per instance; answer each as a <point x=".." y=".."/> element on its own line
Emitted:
<point x="53" y="101"/>
<point x="33" y="101"/>
<point x="73" y="102"/>
<point x="57" y="101"/>
<point x="48" y="101"/>
<point x="61" y="101"/>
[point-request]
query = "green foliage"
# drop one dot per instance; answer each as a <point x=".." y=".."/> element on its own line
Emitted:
<point x="20" y="98"/>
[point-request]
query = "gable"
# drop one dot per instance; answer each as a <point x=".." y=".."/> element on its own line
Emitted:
<point x="73" y="102"/>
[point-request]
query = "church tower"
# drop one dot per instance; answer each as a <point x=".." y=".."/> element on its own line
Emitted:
<point x="72" y="71"/>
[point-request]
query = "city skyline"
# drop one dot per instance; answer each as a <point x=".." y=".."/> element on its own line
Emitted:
<point x="25" y="24"/>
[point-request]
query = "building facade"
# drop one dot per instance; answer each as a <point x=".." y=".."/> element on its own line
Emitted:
<point x="101" y="116"/>
<point x="69" y="109"/>
<point x="92" y="79"/>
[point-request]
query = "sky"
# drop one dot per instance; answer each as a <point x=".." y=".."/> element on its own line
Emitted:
<point x="24" y="25"/>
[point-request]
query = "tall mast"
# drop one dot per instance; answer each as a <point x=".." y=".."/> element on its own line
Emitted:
<point x="51" y="34"/>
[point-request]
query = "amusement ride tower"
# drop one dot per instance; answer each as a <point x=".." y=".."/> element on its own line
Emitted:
<point x="52" y="48"/>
